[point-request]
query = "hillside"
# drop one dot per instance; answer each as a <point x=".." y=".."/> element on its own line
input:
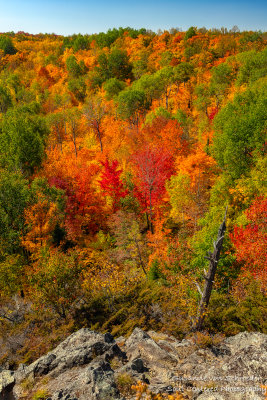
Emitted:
<point x="119" y="153"/>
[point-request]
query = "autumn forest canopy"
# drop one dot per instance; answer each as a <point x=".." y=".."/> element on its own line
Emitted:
<point x="119" y="153"/>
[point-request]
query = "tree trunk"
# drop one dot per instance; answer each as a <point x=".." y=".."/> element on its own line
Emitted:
<point x="73" y="128"/>
<point x="140" y="257"/>
<point x="150" y="212"/>
<point x="209" y="277"/>
<point x="99" y="137"/>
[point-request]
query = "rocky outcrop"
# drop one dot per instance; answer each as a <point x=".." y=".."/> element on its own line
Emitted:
<point x="92" y="366"/>
<point x="79" y="368"/>
<point x="7" y="383"/>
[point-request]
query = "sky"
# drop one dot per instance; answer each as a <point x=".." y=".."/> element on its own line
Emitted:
<point x="66" y="17"/>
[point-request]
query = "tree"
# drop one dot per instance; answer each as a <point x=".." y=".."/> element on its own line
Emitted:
<point x="114" y="65"/>
<point x="5" y="99"/>
<point x="220" y="80"/>
<point x="166" y="78"/>
<point x="190" y="33"/>
<point x="78" y="87"/>
<point x="14" y="197"/>
<point x="44" y="217"/>
<point x="6" y="45"/>
<point x="11" y="281"/>
<point x="182" y="73"/>
<point x="56" y="280"/>
<point x="94" y="111"/>
<point x="140" y="66"/>
<point x="250" y="240"/>
<point x="130" y="245"/>
<point x="22" y="140"/>
<point x="240" y="131"/>
<point x="57" y="123"/>
<point x="151" y="85"/>
<point x="132" y="105"/>
<point x="13" y="86"/>
<point x="73" y="116"/>
<point x="235" y="29"/>
<point x="74" y="69"/>
<point x="84" y="208"/>
<point x="153" y="167"/>
<point x="203" y="100"/>
<point x="80" y="43"/>
<point x="111" y="183"/>
<point x="209" y="277"/>
<point x="254" y="66"/>
<point x="118" y="65"/>
<point x="189" y="189"/>
<point x="113" y="87"/>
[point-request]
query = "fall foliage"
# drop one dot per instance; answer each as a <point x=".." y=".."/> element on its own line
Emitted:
<point x="119" y="152"/>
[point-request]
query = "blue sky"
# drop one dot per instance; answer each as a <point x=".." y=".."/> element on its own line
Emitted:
<point x="86" y="16"/>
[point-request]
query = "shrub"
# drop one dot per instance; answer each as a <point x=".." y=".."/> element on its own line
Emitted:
<point x="40" y="395"/>
<point x="124" y="383"/>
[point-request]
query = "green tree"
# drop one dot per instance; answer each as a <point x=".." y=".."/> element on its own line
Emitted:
<point x="78" y="87"/>
<point x="113" y="87"/>
<point x="118" y="65"/>
<point x="203" y="100"/>
<point x="166" y="58"/>
<point x="182" y="73"/>
<point x="22" y="139"/>
<point x="165" y="77"/>
<point x="13" y="84"/>
<point x="240" y="131"/>
<point x="190" y="33"/>
<point x="114" y="65"/>
<point x="5" y="99"/>
<point x="132" y="105"/>
<point x="6" y="45"/>
<point x="151" y="85"/>
<point x="80" y="43"/>
<point x="221" y="78"/>
<point x="74" y="68"/>
<point x="14" y="197"/>
<point x="254" y="66"/>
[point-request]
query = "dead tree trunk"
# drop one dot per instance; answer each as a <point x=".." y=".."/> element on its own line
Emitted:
<point x="209" y="277"/>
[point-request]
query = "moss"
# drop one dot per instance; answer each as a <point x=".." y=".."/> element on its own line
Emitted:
<point x="27" y="384"/>
<point x="40" y="395"/>
<point x="124" y="383"/>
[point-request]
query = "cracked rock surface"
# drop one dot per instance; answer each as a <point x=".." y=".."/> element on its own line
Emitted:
<point x="91" y="366"/>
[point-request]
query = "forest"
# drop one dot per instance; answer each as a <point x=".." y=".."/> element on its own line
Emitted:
<point x="119" y="153"/>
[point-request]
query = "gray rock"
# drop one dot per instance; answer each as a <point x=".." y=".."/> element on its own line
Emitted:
<point x="80" y="367"/>
<point x="6" y="379"/>
<point x="244" y="340"/>
<point x="7" y="382"/>
<point x="78" y="349"/>
<point x="140" y="344"/>
<point x="65" y="367"/>
<point x="135" y="369"/>
<point x="95" y="382"/>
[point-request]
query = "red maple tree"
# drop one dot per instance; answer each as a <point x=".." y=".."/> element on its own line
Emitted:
<point x="153" y="167"/>
<point x="250" y="241"/>
<point x="111" y="182"/>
